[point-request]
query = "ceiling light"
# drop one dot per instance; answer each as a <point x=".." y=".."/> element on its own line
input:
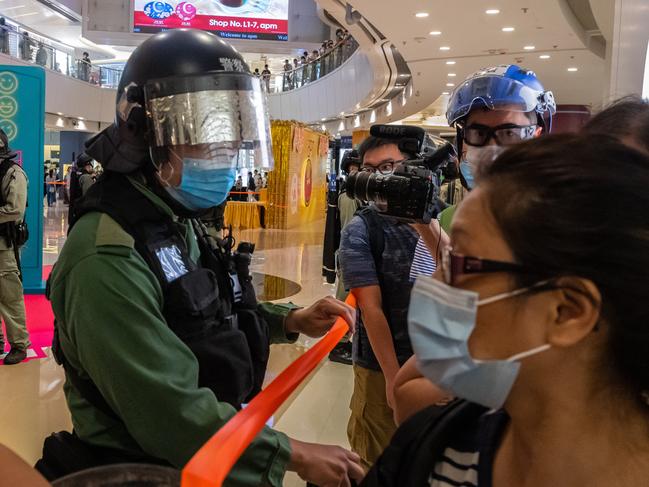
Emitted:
<point x="544" y="56"/>
<point x="445" y="93"/>
<point x="492" y="11"/>
<point x="508" y="29"/>
<point x="12" y="8"/>
<point x="529" y="48"/>
<point x="444" y="48"/>
<point x="450" y="63"/>
<point x="421" y="15"/>
<point x="452" y="75"/>
<point x="435" y="33"/>
<point x="24" y="15"/>
<point x="450" y="84"/>
<point x="572" y="70"/>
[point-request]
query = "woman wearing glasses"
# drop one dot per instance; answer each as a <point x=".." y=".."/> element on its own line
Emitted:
<point x="537" y="322"/>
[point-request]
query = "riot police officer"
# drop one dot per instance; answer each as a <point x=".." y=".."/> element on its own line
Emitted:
<point x="13" y="201"/>
<point x="170" y="341"/>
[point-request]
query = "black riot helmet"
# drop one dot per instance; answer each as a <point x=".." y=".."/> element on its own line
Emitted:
<point x="351" y="158"/>
<point x="5" y="151"/>
<point x="188" y="96"/>
<point x="83" y="160"/>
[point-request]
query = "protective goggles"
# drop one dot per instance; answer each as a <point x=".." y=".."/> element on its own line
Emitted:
<point x="508" y="134"/>
<point x="220" y="117"/>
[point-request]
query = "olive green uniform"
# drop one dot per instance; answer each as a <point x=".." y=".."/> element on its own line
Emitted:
<point x="85" y="181"/>
<point x="12" y="302"/>
<point x="108" y="305"/>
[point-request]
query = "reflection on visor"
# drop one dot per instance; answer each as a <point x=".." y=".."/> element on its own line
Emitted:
<point x="207" y="117"/>
<point x="495" y="92"/>
<point x="229" y="127"/>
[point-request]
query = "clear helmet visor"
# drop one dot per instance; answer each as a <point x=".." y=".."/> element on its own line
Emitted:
<point x="221" y="119"/>
<point x="497" y="93"/>
<point x="203" y="130"/>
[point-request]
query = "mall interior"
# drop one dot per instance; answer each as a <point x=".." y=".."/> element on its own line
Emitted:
<point x="319" y="75"/>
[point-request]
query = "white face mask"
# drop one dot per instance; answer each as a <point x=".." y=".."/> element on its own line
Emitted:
<point x="441" y="319"/>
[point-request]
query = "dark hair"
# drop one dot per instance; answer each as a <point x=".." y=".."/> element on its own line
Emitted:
<point x="372" y="143"/>
<point x="576" y="205"/>
<point x="626" y="118"/>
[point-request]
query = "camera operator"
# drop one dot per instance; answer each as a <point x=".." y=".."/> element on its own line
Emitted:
<point x="494" y="108"/>
<point x="375" y="255"/>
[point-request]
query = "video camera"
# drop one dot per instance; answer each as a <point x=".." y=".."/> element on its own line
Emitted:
<point x="411" y="192"/>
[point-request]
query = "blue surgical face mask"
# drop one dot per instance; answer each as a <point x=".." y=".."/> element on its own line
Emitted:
<point x="202" y="186"/>
<point x="441" y="319"/>
<point x="467" y="174"/>
<point x="475" y="157"/>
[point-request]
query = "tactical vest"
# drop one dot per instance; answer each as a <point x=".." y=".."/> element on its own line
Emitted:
<point x="15" y="232"/>
<point x="210" y="304"/>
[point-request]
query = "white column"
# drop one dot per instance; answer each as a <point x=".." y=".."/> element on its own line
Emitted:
<point x="627" y="49"/>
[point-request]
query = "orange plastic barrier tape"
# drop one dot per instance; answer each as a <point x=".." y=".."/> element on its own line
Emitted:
<point x="211" y="464"/>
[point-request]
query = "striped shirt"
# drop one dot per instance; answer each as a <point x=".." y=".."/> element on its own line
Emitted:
<point x="423" y="264"/>
<point x="468" y="459"/>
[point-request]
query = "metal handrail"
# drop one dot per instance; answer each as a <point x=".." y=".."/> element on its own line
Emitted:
<point x="317" y="68"/>
<point x="21" y="45"/>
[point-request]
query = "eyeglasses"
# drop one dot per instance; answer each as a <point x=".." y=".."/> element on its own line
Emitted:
<point x="507" y="134"/>
<point x="384" y="168"/>
<point x="455" y="265"/>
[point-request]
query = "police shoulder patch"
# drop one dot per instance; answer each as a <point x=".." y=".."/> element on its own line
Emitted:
<point x="111" y="234"/>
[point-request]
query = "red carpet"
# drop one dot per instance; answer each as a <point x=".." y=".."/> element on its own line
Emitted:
<point x="40" y="322"/>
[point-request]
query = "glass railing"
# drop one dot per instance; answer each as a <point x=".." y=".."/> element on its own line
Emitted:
<point x="33" y="50"/>
<point x="302" y="74"/>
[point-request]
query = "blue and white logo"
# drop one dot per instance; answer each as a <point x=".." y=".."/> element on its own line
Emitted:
<point x="158" y="10"/>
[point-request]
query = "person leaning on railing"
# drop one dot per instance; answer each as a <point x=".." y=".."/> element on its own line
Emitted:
<point x="4" y="37"/>
<point x="26" y="47"/>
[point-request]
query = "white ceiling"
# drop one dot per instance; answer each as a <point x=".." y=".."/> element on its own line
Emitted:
<point x="43" y="20"/>
<point x="476" y="40"/>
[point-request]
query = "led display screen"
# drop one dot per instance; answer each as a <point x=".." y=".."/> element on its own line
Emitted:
<point x="230" y="19"/>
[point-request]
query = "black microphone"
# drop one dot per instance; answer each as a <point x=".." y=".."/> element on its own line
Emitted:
<point x="397" y="132"/>
<point x="411" y="139"/>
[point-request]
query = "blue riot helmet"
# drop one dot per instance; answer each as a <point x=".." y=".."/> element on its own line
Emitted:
<point x="501" y="87"/>
<point x="506" y="87"/>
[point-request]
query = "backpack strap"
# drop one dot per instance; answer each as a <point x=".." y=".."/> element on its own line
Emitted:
<point x="374" y="225"/>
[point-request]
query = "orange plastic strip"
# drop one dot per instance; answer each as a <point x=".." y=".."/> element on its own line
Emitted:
<point x="211" y="464"/>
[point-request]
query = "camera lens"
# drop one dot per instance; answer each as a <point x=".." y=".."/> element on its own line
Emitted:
<point x="365" y="186"/>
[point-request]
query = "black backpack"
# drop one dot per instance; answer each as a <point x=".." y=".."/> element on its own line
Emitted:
<point x="410" y="457"/>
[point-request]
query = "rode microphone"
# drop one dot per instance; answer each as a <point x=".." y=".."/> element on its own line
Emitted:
<point x="410" y="139"/>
